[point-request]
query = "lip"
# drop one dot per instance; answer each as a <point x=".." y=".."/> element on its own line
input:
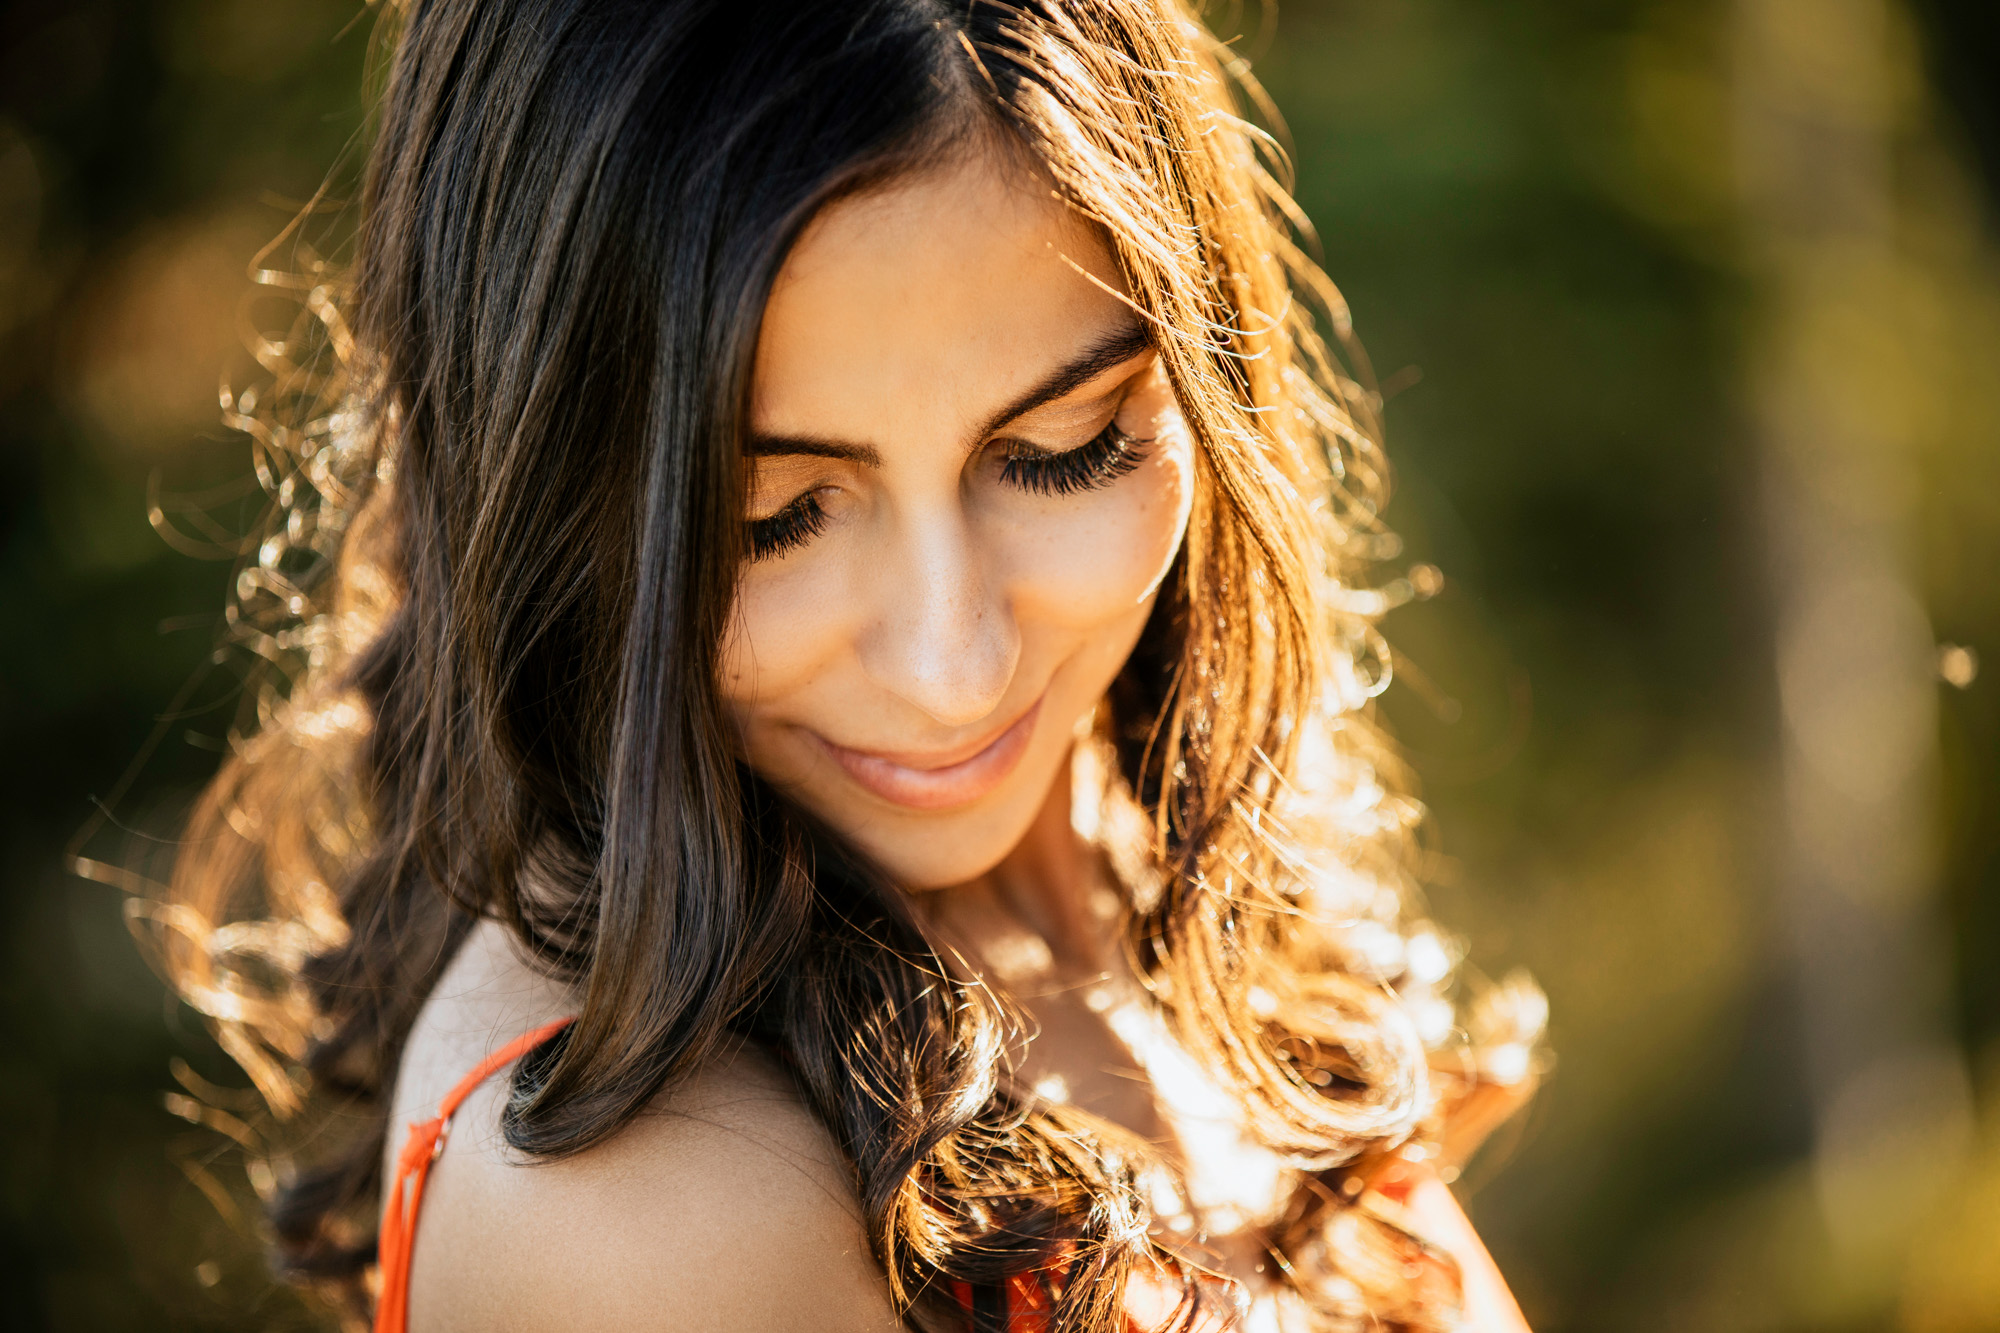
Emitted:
<point x="939" y="779"/>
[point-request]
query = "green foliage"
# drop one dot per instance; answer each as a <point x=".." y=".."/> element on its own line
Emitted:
<point x="1529" y="207"/>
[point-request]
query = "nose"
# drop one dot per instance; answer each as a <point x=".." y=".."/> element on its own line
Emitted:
<point x="944" y="638"/>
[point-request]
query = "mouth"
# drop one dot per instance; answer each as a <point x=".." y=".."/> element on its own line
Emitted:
<point x="940" y="779"/>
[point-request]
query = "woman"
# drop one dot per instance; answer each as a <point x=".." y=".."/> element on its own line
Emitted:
<point x="829" y="787"/>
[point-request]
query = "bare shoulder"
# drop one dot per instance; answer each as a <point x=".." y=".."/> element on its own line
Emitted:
<point x="725" y="1206"/>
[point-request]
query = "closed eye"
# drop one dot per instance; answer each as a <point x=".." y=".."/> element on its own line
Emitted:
<point x="788" y="529"/>
<point x="1109" y="455"/>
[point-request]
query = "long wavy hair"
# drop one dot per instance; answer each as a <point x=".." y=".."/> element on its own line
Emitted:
<point x="504" y="446"/>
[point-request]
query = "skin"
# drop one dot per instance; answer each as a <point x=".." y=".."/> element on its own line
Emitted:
<point x="914" y="673"/>
<point x="942" y="603"/>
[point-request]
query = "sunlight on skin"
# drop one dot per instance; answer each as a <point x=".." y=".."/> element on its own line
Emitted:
<point x="914" y="669"/>
<point x="942" y="603"/>
<point x="1435" y="1214"/>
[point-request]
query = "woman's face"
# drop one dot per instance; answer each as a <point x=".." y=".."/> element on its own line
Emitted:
<point x="969" y="478"/>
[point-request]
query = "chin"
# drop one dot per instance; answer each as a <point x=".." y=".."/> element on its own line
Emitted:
<point x="927" y="875"/>
<point x="958" y="859"/>
<point x="921" y="850"/>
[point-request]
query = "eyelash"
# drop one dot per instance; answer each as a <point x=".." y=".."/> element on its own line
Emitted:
<point x="788" y="529"/>
<point x="1109" y="455"/>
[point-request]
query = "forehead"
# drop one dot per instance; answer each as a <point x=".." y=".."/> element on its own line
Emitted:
<point x="928" y="301"/>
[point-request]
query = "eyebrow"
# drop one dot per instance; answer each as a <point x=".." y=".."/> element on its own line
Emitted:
<point x="1113" y="348"/>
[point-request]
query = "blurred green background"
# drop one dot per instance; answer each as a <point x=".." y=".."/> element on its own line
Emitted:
<point x="1689" y="313"/>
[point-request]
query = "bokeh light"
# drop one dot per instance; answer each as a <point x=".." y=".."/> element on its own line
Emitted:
<point x="1687" y="313"/>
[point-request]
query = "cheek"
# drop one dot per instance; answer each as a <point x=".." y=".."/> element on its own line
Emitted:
<point x="781" y="632"/>
<point x="1083" y="564"/>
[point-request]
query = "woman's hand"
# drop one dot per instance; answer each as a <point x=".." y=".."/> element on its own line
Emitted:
<point x="1424" y="1205"/>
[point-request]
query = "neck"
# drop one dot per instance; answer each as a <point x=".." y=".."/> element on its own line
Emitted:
<point x="1042" y="886"/>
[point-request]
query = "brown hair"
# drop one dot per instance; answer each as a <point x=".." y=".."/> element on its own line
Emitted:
<point x="509" y="529"/>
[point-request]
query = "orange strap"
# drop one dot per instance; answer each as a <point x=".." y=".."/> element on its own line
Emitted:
<point x="413" y="1168"/>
